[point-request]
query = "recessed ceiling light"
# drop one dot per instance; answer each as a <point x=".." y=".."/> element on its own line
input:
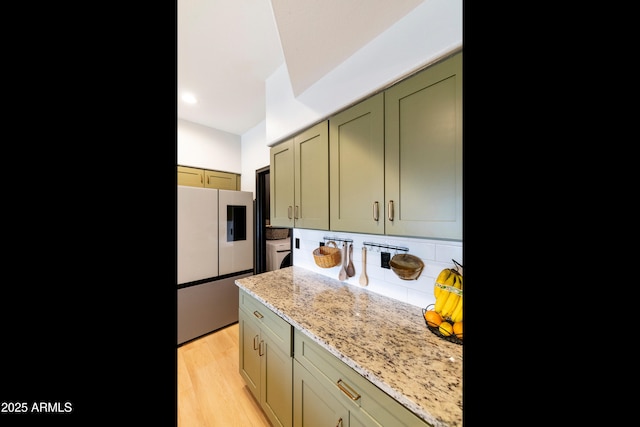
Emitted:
<point x="189" y="98"/>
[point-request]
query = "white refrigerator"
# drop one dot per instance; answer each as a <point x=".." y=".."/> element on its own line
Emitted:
<point x="215" y="247"/>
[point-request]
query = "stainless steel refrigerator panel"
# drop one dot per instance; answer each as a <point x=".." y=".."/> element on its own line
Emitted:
<point x="207" y="307"/>
<point x="198" y="234"/>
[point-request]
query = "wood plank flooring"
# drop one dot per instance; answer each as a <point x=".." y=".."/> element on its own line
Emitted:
<point x="211" y="391"/>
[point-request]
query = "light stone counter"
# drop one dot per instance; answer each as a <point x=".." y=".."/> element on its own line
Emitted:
<point x="383" y="339"/>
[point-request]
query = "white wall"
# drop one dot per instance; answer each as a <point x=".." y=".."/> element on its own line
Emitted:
<point x="430" y="32"/>
<point x="204" y="147"/>
<point x="255" y="155"/>
<point x="436" y="255"/>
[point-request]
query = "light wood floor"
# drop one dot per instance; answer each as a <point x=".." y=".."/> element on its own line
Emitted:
<point x="211" y="392"/>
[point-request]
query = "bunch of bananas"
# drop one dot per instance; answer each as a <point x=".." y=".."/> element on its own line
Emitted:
<point x="448" y="292"/>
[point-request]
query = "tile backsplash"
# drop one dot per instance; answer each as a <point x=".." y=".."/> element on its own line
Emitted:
<point x="436" y="255"/>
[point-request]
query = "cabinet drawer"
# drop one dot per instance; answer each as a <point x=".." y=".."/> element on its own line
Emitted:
<point x="279" y="330"/>
<point x="352" y="386"/>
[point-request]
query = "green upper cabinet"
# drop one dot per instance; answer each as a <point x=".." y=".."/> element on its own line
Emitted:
<point x="221" y="180"/>
<point x="299" y="180"/>
<point x="391" y="164"/>
<point x="192" y="177"/>
<point x="356" y="161"/>
<point x="423" y="153"/>
<point x="195" y="177"/>
<point x="281" y="178"/>
<point x="311" y="152"/>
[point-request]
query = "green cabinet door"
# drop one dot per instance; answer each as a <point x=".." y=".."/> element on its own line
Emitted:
<point x="276" y="394"/>
<point x="317" y="403"/>
<point x="313" y="404"/>
<point x="340" y="387"/>
<point x="423" y="153"/>
<point x="221" y="180"/>
<point x="356" y="159"/>
<point x="311" y="152"/>
<point x="192" y="177"/>
<point x="265" y="359"/>
<point x="281" y="180"/>
<point x="249" y="359"/>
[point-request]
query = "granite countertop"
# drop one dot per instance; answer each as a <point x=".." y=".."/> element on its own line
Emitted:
<point x="383" y="339"/>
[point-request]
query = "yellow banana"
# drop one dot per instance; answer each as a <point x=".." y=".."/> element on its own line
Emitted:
<point x="456" y="316"/>
<point x="452" y="299"/>
<point x="449" y="305"/>
<point x="442" y="277"/>
<point x="442" y="297"/>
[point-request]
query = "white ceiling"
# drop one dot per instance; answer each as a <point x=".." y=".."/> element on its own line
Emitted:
<point x="228" y="48"/>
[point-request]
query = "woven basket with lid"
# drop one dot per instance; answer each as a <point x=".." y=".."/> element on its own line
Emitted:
<point x="273" y="233"/>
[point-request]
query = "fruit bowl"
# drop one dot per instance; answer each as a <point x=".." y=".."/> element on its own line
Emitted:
<point x="436" y="330"/>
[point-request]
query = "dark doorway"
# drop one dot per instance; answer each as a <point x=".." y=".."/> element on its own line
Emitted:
<point x="262" y="216"/>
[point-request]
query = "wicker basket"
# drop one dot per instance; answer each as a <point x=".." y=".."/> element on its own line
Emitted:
<point x="277" y="233"/>
<point x="327" y="257"/>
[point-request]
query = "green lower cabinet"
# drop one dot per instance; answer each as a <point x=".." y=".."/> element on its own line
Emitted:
<point x="265" y="360"/>
<point x="331" y="384"/>
<point x="317" y="404"/>
<point x="276" y="393"/>
<point x="250" y="361"/>
<point x="298" y="382"/>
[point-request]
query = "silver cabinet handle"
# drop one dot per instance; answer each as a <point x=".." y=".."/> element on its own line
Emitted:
<point x="260" y="351"/>
<point x="353" y="395"/>
<point x="375" y="211"/>
<point x="257" y="314"/>
<point x="339" y="423"/>
<point x="296" y="215"/>
<point x="289" y="212"/>
<point x="390" y="210"/>
<point x="255" y="346"/>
